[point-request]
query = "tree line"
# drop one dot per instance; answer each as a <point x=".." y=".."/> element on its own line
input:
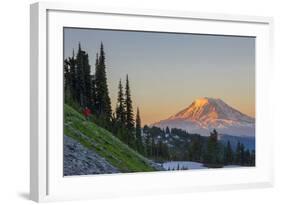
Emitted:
<point x="214" y="153"/>
<point x="84" y="89"/>
<point x="183" y="146"/>
<point x="156" y="148"/>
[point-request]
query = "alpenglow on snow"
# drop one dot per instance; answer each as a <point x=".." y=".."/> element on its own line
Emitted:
<point x="206" y="114"/>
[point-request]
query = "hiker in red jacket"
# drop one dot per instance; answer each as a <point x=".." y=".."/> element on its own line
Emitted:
<point x="87" y="112"/>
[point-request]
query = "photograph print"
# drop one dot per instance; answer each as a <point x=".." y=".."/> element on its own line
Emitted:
<point x="139" y="101"/>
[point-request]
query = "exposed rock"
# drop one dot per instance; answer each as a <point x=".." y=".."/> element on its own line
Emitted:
<point x="79" y="160"/>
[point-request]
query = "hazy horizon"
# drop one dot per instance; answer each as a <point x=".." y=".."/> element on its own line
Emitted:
<point x="168" y="71"/>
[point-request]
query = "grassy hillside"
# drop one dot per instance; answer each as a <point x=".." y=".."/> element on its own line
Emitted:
<point x="103" y="143"/>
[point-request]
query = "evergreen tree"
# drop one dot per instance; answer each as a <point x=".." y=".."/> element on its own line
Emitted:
<point x="213" y="155"/>
<point x="120" y="108"/>
<point x="74" y="87"/>
<point x="252" y="158"/>
<point x="138" y="132"/>
<point x="165" y="152"/>
<point x="247" y="158"/>
<point x="147" y="147"/>
<point x="153" y="148"/>
<point x="238" y="154"/>
<point x="228" y="154"/>
<point x="129" y="114"/>
<point x="195" y="150"/>
<point x="242" y="154"/>
<point x="167" y="130"/>
<point x="66" y="82"/>
<point x="87" y="80"/>
<point x="214" y="135"/>
<point x="83" y="78"/>
<point x="80" y="83"/>
<point x="103" y="103"/>
<point x="160" y="149"/>
<point x="93" y="94"/>
<point x="94" y="89"/>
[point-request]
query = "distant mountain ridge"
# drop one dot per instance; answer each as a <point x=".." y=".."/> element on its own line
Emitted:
<point x="248" y="142"/>
<point x="205" y="114"/>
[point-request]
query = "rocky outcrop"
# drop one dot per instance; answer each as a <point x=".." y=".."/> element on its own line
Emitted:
<point x="79" y="160"/>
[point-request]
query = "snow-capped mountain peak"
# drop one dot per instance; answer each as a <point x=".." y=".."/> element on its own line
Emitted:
<point x="206" y="113"/>
<point x="209" y="109"/>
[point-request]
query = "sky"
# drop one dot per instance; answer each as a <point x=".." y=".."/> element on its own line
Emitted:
<point x="168" y="71"/>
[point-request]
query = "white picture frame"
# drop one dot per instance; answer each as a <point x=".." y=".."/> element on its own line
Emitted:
<point x="46" y="179"/>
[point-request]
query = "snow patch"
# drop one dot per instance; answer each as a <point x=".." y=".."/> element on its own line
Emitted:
<point x="174" y="165"/>
<point x="206" y="114"/>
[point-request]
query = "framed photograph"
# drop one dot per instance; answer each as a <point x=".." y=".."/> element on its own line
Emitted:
<point x="127" y="102"/>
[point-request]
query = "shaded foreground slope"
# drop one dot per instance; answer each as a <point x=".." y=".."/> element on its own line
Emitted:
<point x="103" y="143"/>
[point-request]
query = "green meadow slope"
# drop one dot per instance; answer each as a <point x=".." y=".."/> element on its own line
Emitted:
<point x="102" y="142"/>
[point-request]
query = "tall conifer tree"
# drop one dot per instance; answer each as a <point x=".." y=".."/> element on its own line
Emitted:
<point x="129" y="113"/>
<point x="228" y="154"/>
<point x="73" y="78"/>
<point x="83" y="78"/>
<point x="80" y="76"/>
<point x="67" y="80"/>
<point x="211" y="156"/>
<point x="238" y="153"/>
<point x="94" y="88"/>
<point x="87" y="80"/>
<point x="93" y="94"/>
<point x="103" y="102"/>
<point x="120" y="109"/>
<point x="138" y="132"/>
